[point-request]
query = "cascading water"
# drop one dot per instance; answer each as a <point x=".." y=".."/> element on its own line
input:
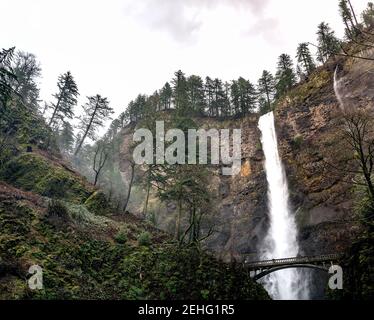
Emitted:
<point x="281" y="240"/>
<point x="336" y="89"/>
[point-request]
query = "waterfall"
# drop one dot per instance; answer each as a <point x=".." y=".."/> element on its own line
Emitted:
<point x="281" y="240"/>
<point x="337" y="89"/>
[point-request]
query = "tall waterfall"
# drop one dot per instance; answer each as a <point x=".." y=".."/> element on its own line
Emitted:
<point x="281" y="240"/>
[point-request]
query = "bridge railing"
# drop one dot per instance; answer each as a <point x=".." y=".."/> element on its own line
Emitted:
<point x="295" y="260"/>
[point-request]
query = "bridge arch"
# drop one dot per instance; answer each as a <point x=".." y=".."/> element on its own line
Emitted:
<point x="275" y="269"/>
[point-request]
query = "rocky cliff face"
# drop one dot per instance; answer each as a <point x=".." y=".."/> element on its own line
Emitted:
<point x="239" y="201"/>
<point x="306" y="129"/>
<point x="322" y="195"/>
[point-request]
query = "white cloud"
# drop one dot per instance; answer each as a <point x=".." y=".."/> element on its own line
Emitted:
<point x="182" y="19"/>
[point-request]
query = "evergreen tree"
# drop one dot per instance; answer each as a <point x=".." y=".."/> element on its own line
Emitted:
<point x="166" y="94"/>
<point x="220" y="102"/>
<point x="235" y="97"/>
<point x="140" y="106"/>
<point x="305" y="59"/>
<point x="153" y="103"/>
<point x="226" y="110"/>
<point x="122" y="118"/>
<point x="66" y="138"/>
<point x="180" y="93"/>
<point x="7" y="77"/>
<point x="114" y="128"/>
<point x="351" y="29"/>
<point x="285" y="76"/>
<point x="96" y="111"/>
<point x="328" y="43"/>
<point x="368" y="15"/>
<point x="209" y="95"/>
<point x="66" y="99"/>
<point x="266" y="89"/>
<point x="263" y="106"/>
<point x="247" y="96"/>
<point x="196" y="94"/>
<point x="27" y="70"/>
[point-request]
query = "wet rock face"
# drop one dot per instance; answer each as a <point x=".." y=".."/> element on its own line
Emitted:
<point x="240" y="218"/>
<point x="306" y="128"/>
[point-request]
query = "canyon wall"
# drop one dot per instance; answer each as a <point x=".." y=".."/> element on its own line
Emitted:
<point x="321" y="197"/>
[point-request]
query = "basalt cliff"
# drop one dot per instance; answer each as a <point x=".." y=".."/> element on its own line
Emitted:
<point x="321" y="198"/>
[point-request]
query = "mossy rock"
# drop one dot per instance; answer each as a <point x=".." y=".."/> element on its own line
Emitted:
<point x="32" y="172"/>
<point x="84" y="262"/>
<point x="97" y="203"/>
<point x="312" y="87"/>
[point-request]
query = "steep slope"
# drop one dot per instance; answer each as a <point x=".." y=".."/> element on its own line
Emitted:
<point x="47" y="218"/>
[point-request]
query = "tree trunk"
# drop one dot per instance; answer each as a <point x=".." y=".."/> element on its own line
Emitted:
<point x="130" y="186"/>
<point x="87" y="130"/>
<point x="353" y="12"/>
<point x="178" y="221"/>
<point x="56" y="108"/>
<point x="96" y="178"/>
<point x="146" y="200"/>
<point x="268" y="96"/>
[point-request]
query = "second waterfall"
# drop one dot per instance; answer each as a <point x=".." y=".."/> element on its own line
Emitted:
<point x="281" y="240"/>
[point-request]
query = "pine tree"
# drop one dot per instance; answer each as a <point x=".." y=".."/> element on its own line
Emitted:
<point x="140" y="105"/>
<point x="247" y="96"/>
<point x="328" y="43"/>
<point x="368" y="15"/>
<point x="180" y="93"/>
<point x="196" y="94"/>
<point x="219" y="98"/>
<point x="66" y="99"/>
<point x="285" y="76"/>
<point x="266" y="89"/>
<point x="27" y="70"/>
<point x="153" y="103"/>
<point x="7" y="76"/>
<point x="96" y="111"/>
<point x="351" y="29"/>
<point x="166" y="94"/>
<point x="66" y="138"/>
<point x="209" y="95"/>
<point x="263" y="106"/>
<point x="235" y="98"/>
<point x="305" y="59"/>
<point x="114" y="128"/>
<point x="227" y="111"/>
<point x="122" y="118"/>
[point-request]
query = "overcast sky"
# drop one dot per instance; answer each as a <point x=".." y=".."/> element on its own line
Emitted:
<point x="119" y="48"/>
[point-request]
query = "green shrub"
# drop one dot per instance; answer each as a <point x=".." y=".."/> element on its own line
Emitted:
<point x="97" y="203"/>
<point x="57" y="209"/>
<point x="298" y="140"/>
<point x="121" y="236"/>
<point x="152" y="218"/>
<point x="144" y="239"/>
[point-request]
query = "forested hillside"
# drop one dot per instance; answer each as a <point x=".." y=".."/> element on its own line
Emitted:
<point x="73" y="200"/>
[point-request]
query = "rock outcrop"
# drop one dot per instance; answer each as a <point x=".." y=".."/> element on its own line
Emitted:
<point x="321" y="198"/>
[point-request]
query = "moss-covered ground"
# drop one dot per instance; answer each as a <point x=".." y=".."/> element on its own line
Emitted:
<point x="51" y="217"/>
